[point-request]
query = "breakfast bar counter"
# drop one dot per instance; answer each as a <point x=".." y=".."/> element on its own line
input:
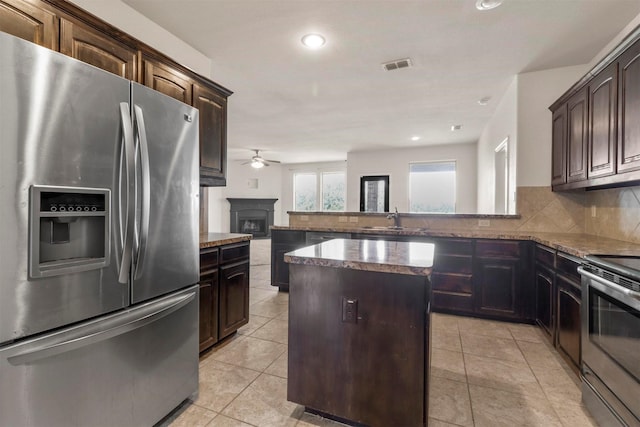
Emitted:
<point x="359" y="321"/>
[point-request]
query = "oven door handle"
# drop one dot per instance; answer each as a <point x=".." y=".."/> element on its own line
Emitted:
<point x="608" y="284"/>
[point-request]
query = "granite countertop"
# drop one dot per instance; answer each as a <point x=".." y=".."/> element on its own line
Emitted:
<point x="384" y="256"/>
<point x="574" y="244"/>
<point x="210" y="240"/>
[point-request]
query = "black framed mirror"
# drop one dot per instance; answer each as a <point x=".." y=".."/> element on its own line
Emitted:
<point x="374" y="193"/>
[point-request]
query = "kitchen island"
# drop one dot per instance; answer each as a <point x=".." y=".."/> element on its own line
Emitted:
<point x="359" y="322"/>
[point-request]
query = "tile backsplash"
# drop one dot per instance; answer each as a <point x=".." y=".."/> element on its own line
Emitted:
<point x="617" y="215"/>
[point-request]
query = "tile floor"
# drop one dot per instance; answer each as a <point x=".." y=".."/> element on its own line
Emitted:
<point x="483" y="373"/>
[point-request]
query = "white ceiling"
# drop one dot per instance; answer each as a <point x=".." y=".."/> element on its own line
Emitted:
<point x="300" y="105"/>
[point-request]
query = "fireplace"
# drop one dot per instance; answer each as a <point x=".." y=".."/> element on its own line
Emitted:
<point x="252" y="216"/>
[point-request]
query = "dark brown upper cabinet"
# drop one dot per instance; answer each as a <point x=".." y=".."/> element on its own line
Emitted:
<point x="29" y="22"/>
<point x="213" y="134"/>
<point x="577" y="137"/>
<point x="629" y="113"/>
<point x="92" y="47"/>
<point x="559" y="146"/>
<point x="167" y="80"/>
<point x="603" y="100"/>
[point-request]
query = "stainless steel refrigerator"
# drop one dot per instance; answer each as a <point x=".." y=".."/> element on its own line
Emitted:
<point x="98" y="245"/>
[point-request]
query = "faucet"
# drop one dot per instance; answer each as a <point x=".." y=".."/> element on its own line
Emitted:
<point x="395" y="217"/>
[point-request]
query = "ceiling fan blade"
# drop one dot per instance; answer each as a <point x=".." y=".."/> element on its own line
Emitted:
<point x="246" y="163"/>
<point x="272" y="161"/>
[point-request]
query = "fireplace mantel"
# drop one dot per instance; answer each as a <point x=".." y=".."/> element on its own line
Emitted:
<point x="252" y="216"/>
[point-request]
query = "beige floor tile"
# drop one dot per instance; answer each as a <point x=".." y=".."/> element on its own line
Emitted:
<point x="444" y="322"/>
<point x="221" y="383"/>
<point x="274" y="330"/>
<point x="311" y="420"/>
<point x="472" y="326"/>
<point x="448" y="364"/>
<point x="557" y="385"/>
<point x="251" y="353"/>
<point x="264" y="404"/>
<point x="262" y="284"/>
<point x="256" y="295"/>
<point x="574" y="415"/>
<point x="446" y="340"/>
<point x="539" y="354"/>
<point x="284" y="316"/>
<point x="193" y="416"/>
<point x="437" y="423"/>
<point x="449" y="402"/>
<point x="522" y="332"/>
<point x="208" y="356"/>
<point x="223" y="421"/>
<point x="279" y="368"/>
<point x="501" y="374"/>
<point x="270" y="307"/>
<point x="487" y="346"/>
<point x="255" y="322"/>
<point x="493" y="408"/>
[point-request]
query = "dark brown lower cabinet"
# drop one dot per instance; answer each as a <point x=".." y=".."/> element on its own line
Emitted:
<point x="224" y="292"/>
<point x="283" y="241"/>
<point x="544" y="300"/>
<point x="568" y="326"/>
<point x="371" y="368"/>
<point x="234" y="297"/>
<point x="452" y="277"/>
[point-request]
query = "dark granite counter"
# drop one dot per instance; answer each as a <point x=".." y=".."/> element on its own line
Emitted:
<point x="211" y="240"/>
<point x="383" y="256"/>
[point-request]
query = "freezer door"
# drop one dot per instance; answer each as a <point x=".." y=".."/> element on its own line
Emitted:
<point x="166" y="253"/>
<point x="60" y="125"/>
<point x="125" y="369"/>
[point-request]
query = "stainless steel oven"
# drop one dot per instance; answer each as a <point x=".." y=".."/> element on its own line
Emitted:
<point x="611" y="339"/>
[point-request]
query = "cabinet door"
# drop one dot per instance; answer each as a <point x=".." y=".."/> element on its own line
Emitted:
<point x="568" y="333"/>
<point x="496" y="286"/>
<point x="629" y="110"/>
<point x="167" y="80"/>
<point x="544" y="300"/>
<point x="603" y="106"/>
<point x="559" y="146"/>
<point x="208" y="309"/>
<point x="234" y="297"/>
<point x="29" y="22"/>
<point x="577" y="137"/>
<point x="213" y="134"/>
<point x="95" y="48"/>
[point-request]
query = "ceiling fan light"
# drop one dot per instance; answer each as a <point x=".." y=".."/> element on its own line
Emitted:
<point x="257" y="164"/>
<point x="487" y="4"/>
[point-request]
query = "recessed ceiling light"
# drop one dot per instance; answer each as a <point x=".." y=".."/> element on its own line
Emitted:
<point x="455" y="127"/>
<point x="313" y="41"/>
<point x="484" y="101"/>
<point x="415" y="138"/>
<point x="487" y="4"/>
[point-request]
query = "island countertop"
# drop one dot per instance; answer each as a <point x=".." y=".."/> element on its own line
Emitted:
<point x="413" y="258"/>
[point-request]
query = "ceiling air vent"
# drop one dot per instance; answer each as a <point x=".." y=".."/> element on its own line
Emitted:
<point x="397" y="64"/>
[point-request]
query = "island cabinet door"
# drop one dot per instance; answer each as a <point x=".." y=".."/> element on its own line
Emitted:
<point x="358" y="344"/>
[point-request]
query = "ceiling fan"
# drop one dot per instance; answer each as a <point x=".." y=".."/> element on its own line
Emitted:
<point x="258" y="161"/>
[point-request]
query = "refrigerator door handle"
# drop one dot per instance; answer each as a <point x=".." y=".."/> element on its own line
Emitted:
<point x="101" y="330"/>
<point x="126" y="236"/>
<point x="146" y="189"/>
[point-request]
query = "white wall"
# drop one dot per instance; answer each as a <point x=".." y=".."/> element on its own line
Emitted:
<point x="503" y="124"/>
<point x="127" y="19"/>
<point x="395" y="163"/>
<point x="269" y="180"/>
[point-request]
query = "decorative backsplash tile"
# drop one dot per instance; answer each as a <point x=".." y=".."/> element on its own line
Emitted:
<point x="617" y="213"/>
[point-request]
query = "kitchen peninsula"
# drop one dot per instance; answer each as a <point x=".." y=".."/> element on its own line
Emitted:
<point x="359" y="322"/>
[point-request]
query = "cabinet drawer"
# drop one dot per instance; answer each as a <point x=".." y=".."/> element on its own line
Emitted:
<point x="546" y="255"/>
<point x="208" y="258"/>
<point x="449" y="282"/>
<point x="568" y="266"/>
<point x="497" y="248"/>
<point x="461" y="264"/>
<point x="234" y="252"/>
<point x="452" y="302"/>
<point x="286" y="236"/>
<point x="454" y="246"/>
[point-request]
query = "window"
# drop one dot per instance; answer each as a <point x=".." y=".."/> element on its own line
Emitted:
<point x="327" y="192"/>
<point x="432" y="187"/>
<point x="333" y="191"/>
<point x="305" y="191"/>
